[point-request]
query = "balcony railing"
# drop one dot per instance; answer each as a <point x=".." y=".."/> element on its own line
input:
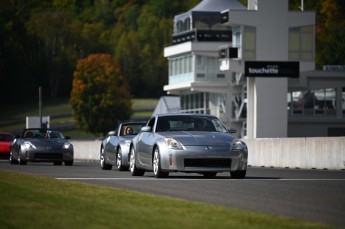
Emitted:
<point x="203" y="36"/>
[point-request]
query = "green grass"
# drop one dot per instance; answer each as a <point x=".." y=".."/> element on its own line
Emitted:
<point x="144" y="104"/>
<point x="50" y="106"/>
<point x="40" y="202"/>
<point x="12" y="119"/>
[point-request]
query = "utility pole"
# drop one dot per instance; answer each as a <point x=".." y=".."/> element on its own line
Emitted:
<point x="302" y="5"/>
<point x="40" y="105"/>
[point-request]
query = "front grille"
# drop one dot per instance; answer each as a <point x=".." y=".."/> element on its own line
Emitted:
<point x="209" y="162"/>
<point x="48" y="155"/>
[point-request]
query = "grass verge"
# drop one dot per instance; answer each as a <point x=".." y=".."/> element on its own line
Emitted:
<point x="41" y="202"/>
<point x="12" y="119"/>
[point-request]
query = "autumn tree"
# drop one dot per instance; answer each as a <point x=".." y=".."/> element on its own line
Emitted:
<point x="100" y="96"/>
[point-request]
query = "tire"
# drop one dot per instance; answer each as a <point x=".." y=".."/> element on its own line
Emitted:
<point x="58" y="163"/>
<point x="20" y="161"/>
<point x="132" y="166"/>
<point x="238" y="174"/>
<point x="119" y="164"/>
<point x="104" y="165"/>
<point x="68" y="163"/>
<point x="156" y="164"/>
<point x="12" y="160"/>
<point x="209" y="174"/>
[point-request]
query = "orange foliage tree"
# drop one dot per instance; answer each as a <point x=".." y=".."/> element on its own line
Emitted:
<point x="100" y="96"/>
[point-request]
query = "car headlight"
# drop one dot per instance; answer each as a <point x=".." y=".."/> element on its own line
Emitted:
<point x="28" y="144"/>
<point x="67" y="145"/>
<point x="237" y="144"/>
<point x="173" y="144"/>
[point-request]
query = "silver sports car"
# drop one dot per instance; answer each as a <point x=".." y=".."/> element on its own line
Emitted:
<point x="41" y="145"/>
<point x="115" y="148"/>
<point x="187" y="143"/>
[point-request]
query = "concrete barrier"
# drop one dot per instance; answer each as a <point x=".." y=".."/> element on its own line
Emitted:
<point x="86" y="150"/>
<point x="305" y="153"/>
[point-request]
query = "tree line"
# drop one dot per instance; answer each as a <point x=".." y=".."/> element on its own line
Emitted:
<point x="41" y="41"/>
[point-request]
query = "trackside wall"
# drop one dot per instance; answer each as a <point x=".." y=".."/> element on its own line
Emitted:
<point x="86" y="150"/>
<point x="304" y="153"/>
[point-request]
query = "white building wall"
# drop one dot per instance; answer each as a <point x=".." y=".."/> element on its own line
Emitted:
<point x="268" y="102"/>
<point x="267" y="97"/>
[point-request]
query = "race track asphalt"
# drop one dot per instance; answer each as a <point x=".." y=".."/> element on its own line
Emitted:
<point x="312" y="195"/>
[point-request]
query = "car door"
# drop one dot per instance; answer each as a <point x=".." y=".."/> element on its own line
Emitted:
<point x="15" y="147"/>
<point x="110" y="147"/>
<point x="145" y="145"/>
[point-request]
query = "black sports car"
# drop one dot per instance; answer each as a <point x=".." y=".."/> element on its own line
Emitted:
<point x="41" y="145"/>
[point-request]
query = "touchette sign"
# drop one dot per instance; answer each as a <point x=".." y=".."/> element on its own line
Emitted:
<point x="271" y="69"/>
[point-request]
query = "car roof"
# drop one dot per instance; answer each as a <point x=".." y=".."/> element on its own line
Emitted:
<point x="42" y="129"/>
<point x="185" y="114"/>
<point x="131" y="123"/>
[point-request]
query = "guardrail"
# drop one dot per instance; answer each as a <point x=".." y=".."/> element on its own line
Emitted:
<point x="304" y="153"/>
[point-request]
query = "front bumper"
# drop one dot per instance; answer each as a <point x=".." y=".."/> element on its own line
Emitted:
<point x="40" y="155"/>
<point x="203" y="159"/>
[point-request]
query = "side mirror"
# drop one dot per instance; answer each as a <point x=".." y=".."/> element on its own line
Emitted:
<point x="146" y="129"/>
<point x="112" y="133"/>
<point x="67" y="137"/>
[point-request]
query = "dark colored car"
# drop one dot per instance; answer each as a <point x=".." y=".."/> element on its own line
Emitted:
<point x="115" y="148"/>
<point x="6" y="140"/>
<point x="191" y="143"/>
<point x="41" y="145"/>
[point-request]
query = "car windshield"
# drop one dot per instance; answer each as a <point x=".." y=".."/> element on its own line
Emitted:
<point x="190" y="123"/>
<point x="41" y="133"/>
<point x="131" y="128"/>
<point x="6" y="137"/>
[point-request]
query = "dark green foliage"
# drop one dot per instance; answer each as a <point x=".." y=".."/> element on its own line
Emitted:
<point x="41" y="42"/>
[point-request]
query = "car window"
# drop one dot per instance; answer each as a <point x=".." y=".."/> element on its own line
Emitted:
<point x="131" y="129"/>
<point x="219" y="126"/>
<point x="42" y="133"/>
<point x="30" y="134"/>
<point x="189" y="123"/>
<point x="52" y="134"/>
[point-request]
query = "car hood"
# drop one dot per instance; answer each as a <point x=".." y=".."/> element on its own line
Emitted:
<point x="195" y="138"/>
<point x="47" y="142"/>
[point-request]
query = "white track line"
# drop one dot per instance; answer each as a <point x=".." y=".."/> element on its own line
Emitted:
<point x="193" y="179"/>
